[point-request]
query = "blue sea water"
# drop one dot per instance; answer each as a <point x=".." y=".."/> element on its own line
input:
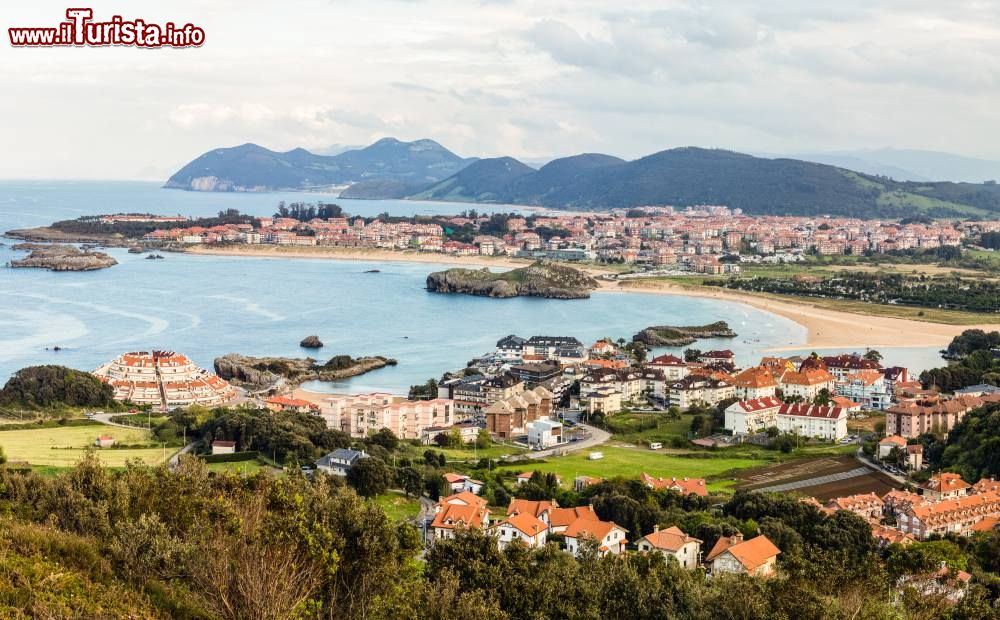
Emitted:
<point x="206" y="306"/>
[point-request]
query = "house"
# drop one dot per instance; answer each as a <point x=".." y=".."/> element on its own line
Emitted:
<point x="460" y="482"/>
<point x="628" y="382"/>
<point x="945" y="486"/>
<point x="866" y="387"/>
<point x="829" y="423"/>
<point x="561" y="518"/>
<point x="886" y="445"/>
<point x="866" y="506"/>
<point x="106" y="441"/>
<point x="718" y="357"/>
<point x="731" y="554"/>
<point x="521" y="526"/>
<point x="610" y="537"/>
<point x="552" y="347"/>
<point x="511" y="347"/>
<point x="509" y="417"/>
<point x="697" y="389"/>
<point x="459" y="511"/>
<point x="950" y="516"/>
<point x="582" y="482"/>
<point x="544" y="433"/>
<point x="951" y="585"/>
<point x="886" y="536"/>
<point x="673" y="367"/>
<point x="842" y="365"/>
<point x="603" y="400"/>
<point x="806" y="384"/>
<point x="684" y="486"/>
<point x="524" y="478"/>
<point x="340" y="461"/>
<point x="220" y="446"/>
<point x="673" y="543"/>
<point x="846" y="404"/>
<point x="754" y="383"/>
<point x="279" y="404"/>
<point x="915" y="457"/>
<point x="897" y="501"/>
<point x="747" y="417"/>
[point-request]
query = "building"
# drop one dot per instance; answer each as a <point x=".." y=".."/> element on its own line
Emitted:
<point x="866" y="506"/>
<point x="731" y="554"/>
<point x="459" y="511"/>
<point x="500" y="387"/>
<point x="510" y="417"/>
<point x="533" y="374"/>
<point x="673" y="367"/>
<point x="629" y="382"/>
<point x="912" y="418"/>
<point x="220" y="446"/>
<point x="284" y="404"/>
<point x="829" y="423"/>
<point x="684" y="486"/>
<point x="340" y="461"/>
<point x="673" y="543"/>
<point x="164" y="380"/>
<point x="697" y="389"/>
<point x="107" y="441"/>
<point x="806" y="384"/>
<point x="551" y="347"/>
<point x="460" y="482"/>
<point x="945" y="486"/>
<point x="754" y="383"/>
<point x="951" y="516"/>
<point x="560" y="519"/>
<point x="544" y="433"/>
<point x="609" y="536"/>
<point x="524" y="527"/>
<point x="359" y="415"/>
<point x="718" y="357"/>
<point x="467" y="433"/>
<point x="511" y="347"/>
<point x="840" y="366"/>
<point x="748" y="417"/>
<point x="867" y="388"/>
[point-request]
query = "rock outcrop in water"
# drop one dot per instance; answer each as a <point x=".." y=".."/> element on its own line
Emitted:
<point x="311" y="342"/>
<point x="540" y="279"/>
<point x="268" y="372"/>
<point x="671" y="336"/>
<point x="61" y="258"/>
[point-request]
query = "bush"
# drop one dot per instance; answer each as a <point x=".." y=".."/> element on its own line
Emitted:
<point x="235" y="457"/>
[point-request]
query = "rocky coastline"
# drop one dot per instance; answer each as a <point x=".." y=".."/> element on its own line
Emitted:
<point x="540" y="279"/>
<point x="61" y="257"/>
<point x="674" y="336"/>
<point x="261" y="373"/>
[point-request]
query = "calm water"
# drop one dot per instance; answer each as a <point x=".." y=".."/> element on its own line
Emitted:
<point x="209" y="306"/>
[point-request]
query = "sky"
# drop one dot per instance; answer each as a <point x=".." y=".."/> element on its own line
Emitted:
<point x="526" y="78"/>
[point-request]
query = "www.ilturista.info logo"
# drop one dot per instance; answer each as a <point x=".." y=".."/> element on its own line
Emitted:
<point x="80" y="29"/>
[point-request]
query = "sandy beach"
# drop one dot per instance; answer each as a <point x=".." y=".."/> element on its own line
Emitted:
<point x="826" y="329"/>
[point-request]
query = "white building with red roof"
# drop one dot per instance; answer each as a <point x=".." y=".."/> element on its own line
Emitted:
<point x="163" y="379"/>
<point x="672" y="367"/>
<point x="608" y="535"/>
<point x="673" y="543"/>
<point x="829" y="423"/>
<point x="731" y="554"/>
<point x="747" y="417"/>
<point x="521" y="526"/>
<point x="684" y="486"/>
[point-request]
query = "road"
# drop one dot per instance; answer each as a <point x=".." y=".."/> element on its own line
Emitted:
<point x="105" y="418"/>
<point x="861" y="457"/>
<point x="595" y="437"/>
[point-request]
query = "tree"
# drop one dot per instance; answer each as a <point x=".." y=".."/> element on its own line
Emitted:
<point x="823" y="397"/>
<point x="385" y="438"/>
<point x="483" y="439"/>
<point x="691" y="355"/>
<point x="872" y="355"/>
<point x="369" y="476"/>
<point x="410" y="480"/>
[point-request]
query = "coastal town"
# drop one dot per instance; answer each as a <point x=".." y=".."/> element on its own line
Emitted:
<point x="693" y="238"/>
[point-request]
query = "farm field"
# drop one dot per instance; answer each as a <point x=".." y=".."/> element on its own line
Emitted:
<point x="241" y="467"/>
<point x="65" y="446"/>
<point x="820" y="470"/>
<point x="630" y="462"/>
<point x="397" y="506"/>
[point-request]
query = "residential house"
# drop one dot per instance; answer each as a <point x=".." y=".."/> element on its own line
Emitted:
<point x="718" y="357"/>
<point x="582" y="482"/>
<point x="460" y="482"/>
<point x="867" y="388"/>
<point x="866" y="506"/>
<point x="340" y="461"/>
<point x="561" y="518"/>
<point x="544" y="433"/>
<point x="673" y="367"/>
<point x="459" y="511"/>
<point x="107" y="441"/>
<point x="221" y="446"/>
<point x="945" y="485"/>
<point x="731" y="554"/>
<point x="609" y="536"/>
<point x="747" y="417"/>
<point x="521" y="526"/>
<point x="829" y="423"/>
<point x="283" y="403"/>
<point x="525" y="477"/>
<point x="886" y="445"/>
<point x="754" y="383"/>
<point x="673" y="543"/>
<point x="950" y="516"/>
<point x="696" y="389"/>
<point x="684" y="486"/>
<point x="806" y="384"/>
<point x="551" y="347"/>
<point x="840" y="366"/>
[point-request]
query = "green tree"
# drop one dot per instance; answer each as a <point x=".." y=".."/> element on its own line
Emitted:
<point x="370" y="476"/>
<point x="410" y="480"/>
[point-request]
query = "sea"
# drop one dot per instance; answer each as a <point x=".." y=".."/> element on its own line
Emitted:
<point x="208" y="306"/>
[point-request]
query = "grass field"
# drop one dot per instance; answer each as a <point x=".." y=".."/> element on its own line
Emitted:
<point x="398" y="507"/>
<point x="65" y="446"/>
<point x="242" y="467"/>
<point x="628" y="427"/>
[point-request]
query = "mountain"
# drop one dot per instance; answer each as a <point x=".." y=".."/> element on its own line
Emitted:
<point x="692" y="176"/>
<point x="487" y="180"/>
<point x="250" y="167"/>
<point x="911" y="165"/>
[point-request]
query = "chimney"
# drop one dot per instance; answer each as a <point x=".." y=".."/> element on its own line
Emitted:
<point x="656" y="528"/>
<point x="737" y="537"/>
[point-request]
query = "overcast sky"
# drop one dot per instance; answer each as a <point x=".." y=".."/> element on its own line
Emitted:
<point x="528" y="78"/>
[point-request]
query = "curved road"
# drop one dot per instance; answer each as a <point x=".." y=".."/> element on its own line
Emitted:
<point x="595" y="437"/>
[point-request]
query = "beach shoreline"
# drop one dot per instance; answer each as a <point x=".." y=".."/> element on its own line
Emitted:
<point x="825" y="328"/>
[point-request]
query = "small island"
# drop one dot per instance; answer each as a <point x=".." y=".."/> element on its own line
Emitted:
<point x="540" y="279"/>
<point x="61" y="257"/>
<point x="311" y="342"/>
<point x="273" y="372"/>
<point x="672" y="336"/>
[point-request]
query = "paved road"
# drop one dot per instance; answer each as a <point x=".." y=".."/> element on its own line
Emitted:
<point x="862" y="458"/>
<point x="595" y="437"/>
<point x="105" y="418"/>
